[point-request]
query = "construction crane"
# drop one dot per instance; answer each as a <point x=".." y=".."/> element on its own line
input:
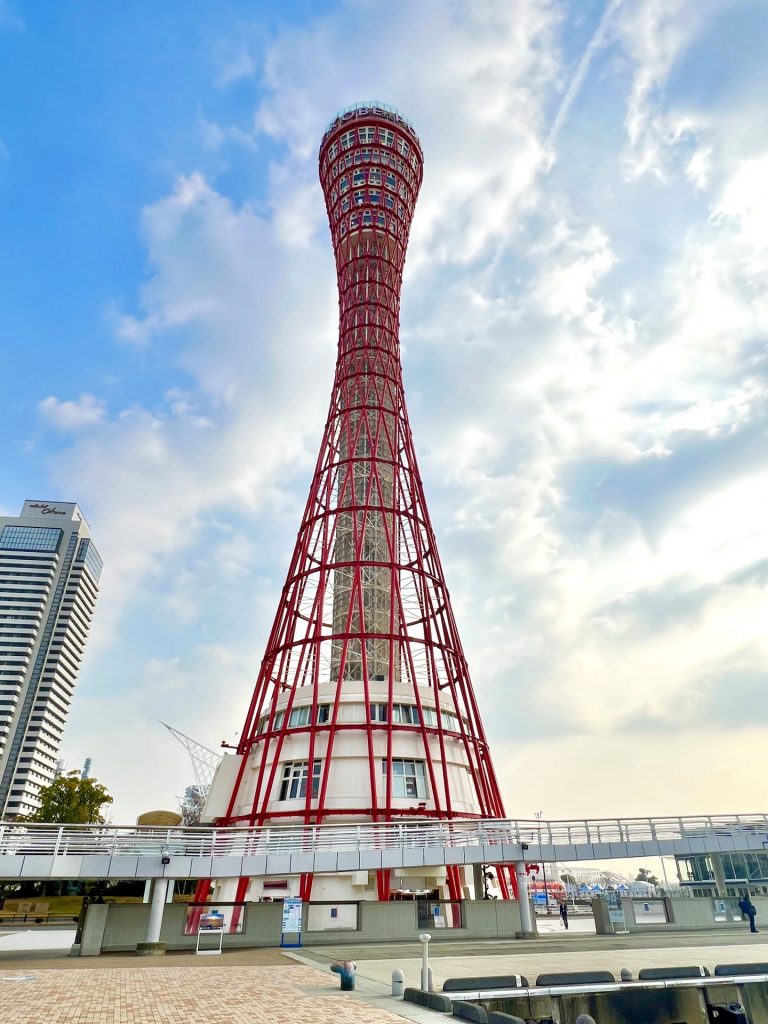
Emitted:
<point x="204" y="764"/>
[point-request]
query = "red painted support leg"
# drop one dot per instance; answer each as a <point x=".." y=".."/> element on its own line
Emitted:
<point x="242" y="889"/>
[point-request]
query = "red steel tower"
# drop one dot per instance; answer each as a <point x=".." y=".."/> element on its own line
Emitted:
<point x="363" y="709"/>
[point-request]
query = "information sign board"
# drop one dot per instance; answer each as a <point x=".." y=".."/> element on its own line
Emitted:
<point x="292" y="912"/>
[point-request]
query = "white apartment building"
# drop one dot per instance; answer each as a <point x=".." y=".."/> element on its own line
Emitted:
<point x="49" y="576"/>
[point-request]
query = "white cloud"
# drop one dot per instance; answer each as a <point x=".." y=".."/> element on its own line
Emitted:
<point x="72" y="415"/>
<point x="237" y="67"/>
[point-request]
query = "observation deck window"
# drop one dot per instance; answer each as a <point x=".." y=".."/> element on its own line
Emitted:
<point x="374" y="195"/>
<point x="278" y="721"/>
<point x="403" y="147"/>
<point x="390" y="181"/>
<point x="374" y="176"/>
<point x="347" y="140"/>
<point x="358" y="178"/>
<point x="367" y="219"/>
<point x="381" y="220"/>
<point x="300" y="716"/>
<point x="333" y="151"/>
<point x="353" y="221"/>
<point x="390" y="202"/>
<point x="366" y="134"/>
<point x="344" y="183"/>
<point x="345" y="204"/>
<point x="386" y="137"/>
<point x="359" y="198"/>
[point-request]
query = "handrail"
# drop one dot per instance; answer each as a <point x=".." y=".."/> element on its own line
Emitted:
<point x="238" y="840"/>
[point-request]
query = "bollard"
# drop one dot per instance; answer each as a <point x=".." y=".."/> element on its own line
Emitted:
<point x="430" y="979"/>
<point x="398" y="982"/>
<point x="346" y="971"/>
<point x="626" y="974"/>
<point x="584" y="1018"/>
<point x="424" y="938"/>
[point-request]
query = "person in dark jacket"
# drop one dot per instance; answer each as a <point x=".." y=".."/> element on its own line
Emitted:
<point x="564" y="915"/>
<point x="748" y="909"/>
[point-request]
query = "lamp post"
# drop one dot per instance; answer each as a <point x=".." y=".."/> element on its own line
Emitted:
<point x="538" y="816"/>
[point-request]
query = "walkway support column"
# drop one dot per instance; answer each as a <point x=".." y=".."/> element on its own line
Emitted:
<point x="717" y="870"/>
<point x="527" y="929"/>
<point x="152" y="946"/>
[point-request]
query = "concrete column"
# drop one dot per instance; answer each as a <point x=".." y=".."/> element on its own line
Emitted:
<point x="477" y="880"/>
<point x="526" y="918"/>
<point x="717" y="871"/>
<point x="152" y="946"/>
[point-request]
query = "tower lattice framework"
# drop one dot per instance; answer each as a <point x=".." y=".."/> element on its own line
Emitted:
<point x="363" y="708"/>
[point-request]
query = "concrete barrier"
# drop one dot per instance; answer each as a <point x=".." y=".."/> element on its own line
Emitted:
<point x="666" y="973"/>
<point x="431" y="1000"/>
<point x="473" y="984"/>
<point x="470" y="1011"/>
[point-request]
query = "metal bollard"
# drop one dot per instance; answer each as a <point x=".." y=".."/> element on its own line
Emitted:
<point x="346" y="971"/>
<point x="626" y="974"/>
<point x="398" y="982"/>
<point x="584" y="1018"/>
<point x="424" y="939"/>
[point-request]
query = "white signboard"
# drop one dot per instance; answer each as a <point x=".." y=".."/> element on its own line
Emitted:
<point x="292" y="916"/>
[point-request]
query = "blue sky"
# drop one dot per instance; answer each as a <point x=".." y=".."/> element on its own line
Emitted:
<point x="584" y="337"/>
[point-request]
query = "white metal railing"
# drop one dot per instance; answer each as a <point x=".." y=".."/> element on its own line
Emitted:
<point x="198" y="841"/>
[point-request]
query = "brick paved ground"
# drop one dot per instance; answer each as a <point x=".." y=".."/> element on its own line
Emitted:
<point x="181" y="995"/>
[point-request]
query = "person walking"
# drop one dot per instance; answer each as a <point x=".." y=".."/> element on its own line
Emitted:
<point x="564" y="915"/>
<point x="748" y="909"/>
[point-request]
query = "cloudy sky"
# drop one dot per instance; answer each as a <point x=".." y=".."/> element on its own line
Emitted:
<point x="585" y="348"/>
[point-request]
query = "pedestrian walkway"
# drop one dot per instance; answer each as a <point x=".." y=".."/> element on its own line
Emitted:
<point x="548" y="955"/>
<point x="271" y="986"/>
<point x="578" y="924"/>
<point x="31" y="939"/>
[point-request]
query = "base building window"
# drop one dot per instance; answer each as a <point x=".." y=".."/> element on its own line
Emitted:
<point x="294" y="782"/>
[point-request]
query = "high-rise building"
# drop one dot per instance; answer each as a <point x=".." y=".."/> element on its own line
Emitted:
<point x="363" y="709"/>
<point x="49" y="580"/>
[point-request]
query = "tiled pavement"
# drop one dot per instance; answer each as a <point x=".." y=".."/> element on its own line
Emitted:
<point x="181" y="995"/>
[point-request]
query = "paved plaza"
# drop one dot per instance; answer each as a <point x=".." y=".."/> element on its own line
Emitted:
<point x="272" y="986"/>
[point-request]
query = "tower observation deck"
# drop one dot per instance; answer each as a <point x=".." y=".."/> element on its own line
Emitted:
<point x="363" y="709"/>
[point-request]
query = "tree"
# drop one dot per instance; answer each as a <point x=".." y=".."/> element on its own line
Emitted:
<point x="71" y="800"/>
<point x="644" y="875"/>
<point x="568" y="879"/>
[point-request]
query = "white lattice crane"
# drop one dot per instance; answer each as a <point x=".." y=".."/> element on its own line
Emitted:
<point x="204" y="764"/>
